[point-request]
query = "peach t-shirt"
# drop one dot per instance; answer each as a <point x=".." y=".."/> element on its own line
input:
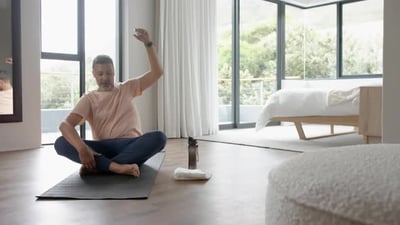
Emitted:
<point x="112" y="114"/>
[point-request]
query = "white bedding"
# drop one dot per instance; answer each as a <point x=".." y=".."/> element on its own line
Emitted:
<point x="309" y="102"/>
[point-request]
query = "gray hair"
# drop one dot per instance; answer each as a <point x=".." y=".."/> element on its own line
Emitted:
<point x="102" y="59"/>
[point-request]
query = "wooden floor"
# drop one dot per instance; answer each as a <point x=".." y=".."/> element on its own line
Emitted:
<point x="234" y="195"/>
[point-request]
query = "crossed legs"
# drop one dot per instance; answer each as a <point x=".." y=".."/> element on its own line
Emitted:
<point x="120" y="155"/>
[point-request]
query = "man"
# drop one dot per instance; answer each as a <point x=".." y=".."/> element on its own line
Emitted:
<point x="6" y="93"/>
<point x="118" y="146"/>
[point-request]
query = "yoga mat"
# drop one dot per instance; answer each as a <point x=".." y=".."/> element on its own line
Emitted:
<point x="108" y="186"/>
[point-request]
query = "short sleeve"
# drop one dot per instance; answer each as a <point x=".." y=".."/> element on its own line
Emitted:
<point x="83" y="107"/>
<point x="133" y="86"/>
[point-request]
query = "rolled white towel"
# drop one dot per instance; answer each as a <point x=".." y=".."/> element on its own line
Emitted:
<point x="190" y="174"/>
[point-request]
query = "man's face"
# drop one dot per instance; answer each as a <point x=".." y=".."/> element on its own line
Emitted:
<point x="104" y="75"/>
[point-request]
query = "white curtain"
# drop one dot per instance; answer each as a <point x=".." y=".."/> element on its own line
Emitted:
<point x="187" y="93"/>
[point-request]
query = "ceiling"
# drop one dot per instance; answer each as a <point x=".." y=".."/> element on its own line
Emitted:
<point x="310" y="3"/>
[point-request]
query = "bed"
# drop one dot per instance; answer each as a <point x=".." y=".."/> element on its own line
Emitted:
<point x="314" y="106"/>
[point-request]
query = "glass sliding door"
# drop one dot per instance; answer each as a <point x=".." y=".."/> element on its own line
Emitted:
<point x="73" y="33"/>
<point x="247" y="59"/>
<point x="224" y="45"/>
<point x="257" y="57"/>
<point x="101" y="38"/>
<point x="100" y="35"/>
<point x="59" y="78"/>
<point x="59" y="93"/>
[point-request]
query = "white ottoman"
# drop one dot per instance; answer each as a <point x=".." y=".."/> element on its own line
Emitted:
<point x="350" y="185"/>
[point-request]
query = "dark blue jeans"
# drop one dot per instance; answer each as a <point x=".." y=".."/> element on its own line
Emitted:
<point x="120" y="150"/>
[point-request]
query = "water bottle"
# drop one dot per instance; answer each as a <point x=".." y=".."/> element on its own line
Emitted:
<point x="193" y="153"/>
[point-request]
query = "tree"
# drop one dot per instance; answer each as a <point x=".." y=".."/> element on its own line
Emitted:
<point x="257" y="64"/>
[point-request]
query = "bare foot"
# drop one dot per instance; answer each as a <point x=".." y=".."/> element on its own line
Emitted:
<point x="127" y="169"/>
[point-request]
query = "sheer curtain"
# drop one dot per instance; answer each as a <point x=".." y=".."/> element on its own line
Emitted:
<point x="187" y="93"/>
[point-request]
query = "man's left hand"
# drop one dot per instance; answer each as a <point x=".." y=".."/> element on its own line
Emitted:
<point x="142" y="35"/>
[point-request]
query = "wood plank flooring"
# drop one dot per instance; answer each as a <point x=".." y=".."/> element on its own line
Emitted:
<point x="234" y="195"/>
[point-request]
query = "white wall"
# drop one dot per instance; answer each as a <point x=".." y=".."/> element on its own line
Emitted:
<point x="391" y="71"/>
<point x="139" y="14"/>
<point x="26" y="134"/>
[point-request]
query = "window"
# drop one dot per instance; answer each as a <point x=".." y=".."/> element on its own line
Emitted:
<point x="262" y="42"/>
<point x="73" y="33"/>
<point x="59" y="26"/>
<point x="363" y="38"/>
<point x="310" y="46"/>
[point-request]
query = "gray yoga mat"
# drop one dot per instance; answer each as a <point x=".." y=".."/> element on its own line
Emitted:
<point x="108" y="186"/>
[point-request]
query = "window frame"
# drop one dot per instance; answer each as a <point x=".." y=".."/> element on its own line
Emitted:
<point x="280" y="73"/>
<point x="339" y="44"/>
<point x="80" y="55"/>
<point x="340" y="50"/>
